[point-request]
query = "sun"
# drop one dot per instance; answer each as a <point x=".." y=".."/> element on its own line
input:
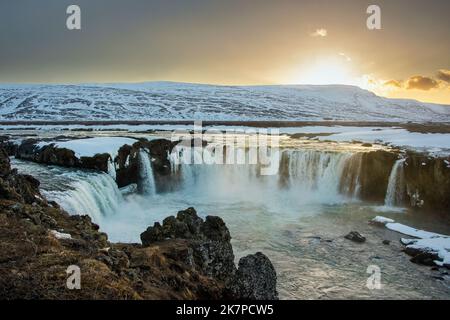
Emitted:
<point x="325" y="71"/>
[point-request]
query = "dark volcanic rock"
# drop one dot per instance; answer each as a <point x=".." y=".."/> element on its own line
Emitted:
<point x="187" y="225"/>
<point x="128" y="162"/>
<point x="422" y="176"/>
<point x="9" y="146"/>
<point x="255" y="278"/>
<point x="13" y="186"/>
<point x="127" y="166"/>
<point x="355" y="236"/>
<point x="374" y="174"/>
<point x="422" y="256"/>
<point x="50" y="154"/>
<point x="5" y="166"/>
<point x="210" y="251"/>
<point x="210" y="240"/>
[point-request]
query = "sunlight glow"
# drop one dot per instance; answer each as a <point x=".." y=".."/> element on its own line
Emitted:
<point x="325" y="71"/>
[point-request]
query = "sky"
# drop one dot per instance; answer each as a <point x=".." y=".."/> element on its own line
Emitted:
<point x="232" y="42"/>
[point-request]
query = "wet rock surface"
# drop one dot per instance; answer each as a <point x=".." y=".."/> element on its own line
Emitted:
<point x="128" y="162"/>
<point x="427" y="182"/>
<point x="374" y="174"/>
<point x="355" y="236"/>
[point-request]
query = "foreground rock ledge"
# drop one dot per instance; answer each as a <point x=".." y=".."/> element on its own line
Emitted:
<point x="209" y="250"/>
<point x="39" y="241"/>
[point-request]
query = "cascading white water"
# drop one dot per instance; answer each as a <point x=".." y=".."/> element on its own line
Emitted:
<point x="309" y="174"/>
<point x="396" y="185"/>
<point x="111" y="169"/>
<point x="97" y="195"/>
<point x="316" y="170"/>
<point x="147" y="179"/>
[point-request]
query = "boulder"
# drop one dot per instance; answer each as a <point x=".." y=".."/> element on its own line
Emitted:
<point x="255" y="278"/>
<point x="422" y="256"/>
<point x="355" y="236"/>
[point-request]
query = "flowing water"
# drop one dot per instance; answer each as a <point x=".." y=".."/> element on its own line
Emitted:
<point x="146" y="174"/>
<point x="396" y="185"/>
<point x="297" y="217"/>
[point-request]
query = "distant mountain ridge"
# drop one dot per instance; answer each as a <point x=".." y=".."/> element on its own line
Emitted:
<point x="184" y="101"/>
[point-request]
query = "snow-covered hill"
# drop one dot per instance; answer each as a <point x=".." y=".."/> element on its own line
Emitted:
<point x="181" y="101"/>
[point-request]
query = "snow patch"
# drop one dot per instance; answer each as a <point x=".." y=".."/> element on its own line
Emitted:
<point x="89" y="147"/>
<point x="382" y="220"/>
<point x="60" y="235"/>
<point x="426" y="241"/>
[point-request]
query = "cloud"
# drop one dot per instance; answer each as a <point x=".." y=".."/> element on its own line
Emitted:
<point x="393" y="83"/>
<point x="421" y="83"/>
<point x="320" y="33"/>
<point x="346" y="57"/>
<point x="444" y="75"/>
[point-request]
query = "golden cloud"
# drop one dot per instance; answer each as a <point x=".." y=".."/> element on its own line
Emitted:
<point x="421" y="83"/>
<point x="444" y="75"/>
<point x="393" y="83"/>
<point x="320" y="33"/>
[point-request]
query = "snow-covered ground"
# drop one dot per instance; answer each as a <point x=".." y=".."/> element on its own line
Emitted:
<point x="433" y="143"/>
<point x="180" y="101"/>
<point x="425" y="240"/>
<point x="91" y="146"/>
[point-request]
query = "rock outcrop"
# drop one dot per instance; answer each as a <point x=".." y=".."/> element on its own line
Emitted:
<point x="374" y="174"/>
<point x="128" y="163"/>
<point x="210" y="251"/>
<point x="51" y="154"/>
<point x="427" y="182"/>
<point x="9" y="146"/>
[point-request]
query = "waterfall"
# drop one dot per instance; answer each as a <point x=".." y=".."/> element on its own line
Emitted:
<point x="111" y="169"/>
<point x="96" y="195"/>
<point x="147" y="180"/>
<point x="396" y="185"/>
<point x="325" y="172"/>
<point x="305" y="174"/>
<point x="350" y="184"/>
